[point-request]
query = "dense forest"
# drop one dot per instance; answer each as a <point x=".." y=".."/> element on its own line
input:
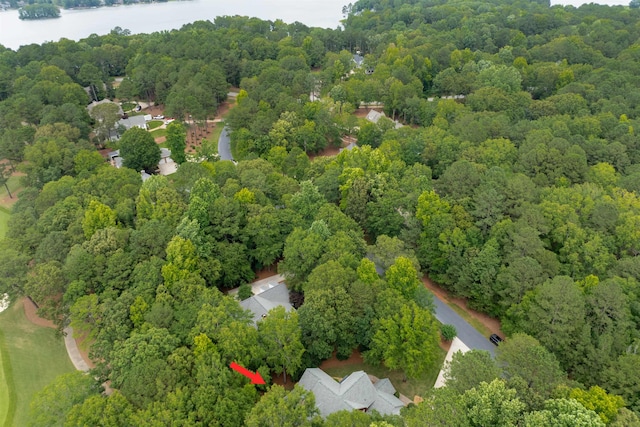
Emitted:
<point x="513" y="183"/>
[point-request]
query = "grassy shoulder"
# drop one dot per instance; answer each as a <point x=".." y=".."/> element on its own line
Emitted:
<point x="7" y="390"/>
<point x="478" y="325"/>
<point x="31" y="357"/>
<point x="410" y="388"/>
<point x="215" y="135"/>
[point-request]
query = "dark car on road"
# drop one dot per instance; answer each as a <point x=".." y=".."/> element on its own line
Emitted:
<point x="495" y="338"/>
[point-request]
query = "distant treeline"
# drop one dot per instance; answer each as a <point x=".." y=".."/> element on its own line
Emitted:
<point x="40" y="9"/>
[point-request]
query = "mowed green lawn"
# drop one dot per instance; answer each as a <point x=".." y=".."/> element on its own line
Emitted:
<point x="4" y="219"/>
<point x="30" y="357"/>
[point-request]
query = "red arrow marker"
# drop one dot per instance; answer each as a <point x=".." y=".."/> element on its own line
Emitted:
<point x="255" y="378"/>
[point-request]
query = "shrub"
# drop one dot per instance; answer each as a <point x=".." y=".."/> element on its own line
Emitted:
<point x="244" y="292"/>
<point x="448" y="332"/>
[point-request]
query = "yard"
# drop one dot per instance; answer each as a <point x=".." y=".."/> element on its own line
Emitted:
<point x="158" y="133"/>
<point x="30" y="358"/>
<point x="410" y="388"/>
<point x="4" y="219"/>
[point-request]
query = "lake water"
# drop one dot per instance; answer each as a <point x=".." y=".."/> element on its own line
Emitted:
<point x="147" y="18"/>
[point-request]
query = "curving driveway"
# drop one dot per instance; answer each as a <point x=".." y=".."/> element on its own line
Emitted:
<point x="224" y="145"/>
<point x="466" y="333"/>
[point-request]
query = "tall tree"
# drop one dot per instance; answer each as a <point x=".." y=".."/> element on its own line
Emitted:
<point x="408" y="340"/>
<point x="468" y="370"/>
<point x="139" y="150"/>
<point x="4" y="178"/>
<point x="523" y="358"/>
<point x="106" y="116"/>
<point x="176" y="141"/>
<point x="50" y="406"/>
<point x="493" y="404"/>
<point x="281" y="408"/>
<point x="280" y="336"/>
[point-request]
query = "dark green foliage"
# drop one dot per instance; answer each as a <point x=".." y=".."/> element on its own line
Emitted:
<point x="244" y="292"/>
<point x="138" y="150"/>
<point x="448" y="332"/>
<point x="520" y="197"/>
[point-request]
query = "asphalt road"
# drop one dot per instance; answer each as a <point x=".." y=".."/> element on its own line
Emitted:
<point x="466" y="333"/>
<point x="224" y="145"/>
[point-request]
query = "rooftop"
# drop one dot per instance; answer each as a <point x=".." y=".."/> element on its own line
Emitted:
<point x="355" y="391"/>
<point x="274" y="295"/>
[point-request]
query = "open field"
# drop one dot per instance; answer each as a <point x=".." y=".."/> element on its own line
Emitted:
<point x="411" y="388"/>
<point x="30" y="357"/>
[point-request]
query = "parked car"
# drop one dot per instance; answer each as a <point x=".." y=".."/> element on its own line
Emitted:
<point x="160" y="117"/>
<point x="495" y="338"/>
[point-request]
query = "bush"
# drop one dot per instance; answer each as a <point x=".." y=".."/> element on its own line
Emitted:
<point x="244" y="292"/>
<point x="448" y="332"/>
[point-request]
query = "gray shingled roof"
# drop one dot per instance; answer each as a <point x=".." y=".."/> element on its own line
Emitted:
<point x="354" y="392"/>
<point x="133" y="121"/>
<point x="105" y="101"/>
<point x="271" y="298"/>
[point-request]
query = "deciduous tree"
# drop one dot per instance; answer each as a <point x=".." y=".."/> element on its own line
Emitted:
<point x="139" y="150"/>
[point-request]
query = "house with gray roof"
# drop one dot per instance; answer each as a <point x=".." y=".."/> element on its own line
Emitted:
<point x="134" y="121"/>
<point x="274" y="295"/>
<point x="374" y="116"/>
<point x="355" y="392"/>
<point x="91" y="106"/>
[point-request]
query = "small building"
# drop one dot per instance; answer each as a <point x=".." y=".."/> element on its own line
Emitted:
<point x="355" y="392"/>
<point x="275" y="295"/>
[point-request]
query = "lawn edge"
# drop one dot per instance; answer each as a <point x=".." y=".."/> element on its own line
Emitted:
<point x="8" y="377"/>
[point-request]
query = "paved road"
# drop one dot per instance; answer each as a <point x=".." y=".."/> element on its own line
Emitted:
<point x="224" y="145"/>
<point x="466" y="333"/>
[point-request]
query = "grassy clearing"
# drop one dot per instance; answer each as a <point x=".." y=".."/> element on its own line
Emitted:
<point x="411" y="388"/>
<point x="32" y="356"/>
<point x="154" y="124"/>
<point x="159" y="133"/>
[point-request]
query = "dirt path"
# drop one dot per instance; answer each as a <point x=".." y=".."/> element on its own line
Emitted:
<point x="354" y="359"/>
<point x="489" y="322"/>
<point x="30" y="312"/>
